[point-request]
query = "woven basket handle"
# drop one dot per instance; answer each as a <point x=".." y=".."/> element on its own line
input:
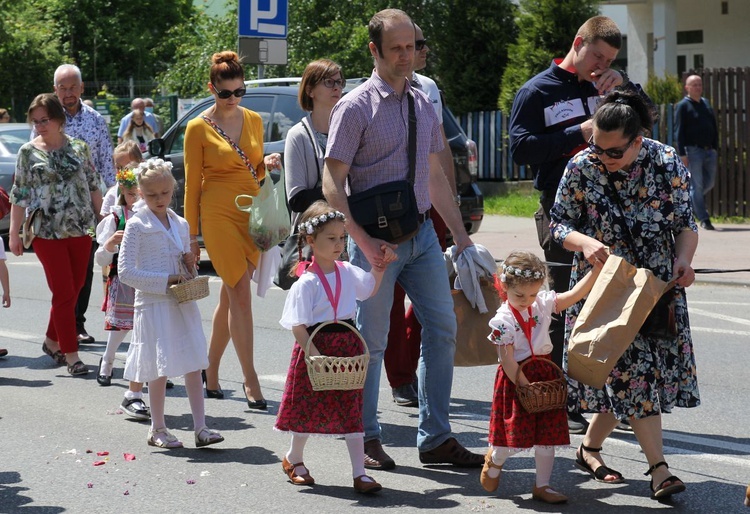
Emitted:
<point x="339" y="322"/>
<point x="524" y="363"/>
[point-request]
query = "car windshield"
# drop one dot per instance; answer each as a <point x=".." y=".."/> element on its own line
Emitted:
<point x="11" y="140"/>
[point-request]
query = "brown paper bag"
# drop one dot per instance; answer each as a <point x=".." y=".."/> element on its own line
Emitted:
<point x="472" y="346"/>
<point x="614" y="311"/>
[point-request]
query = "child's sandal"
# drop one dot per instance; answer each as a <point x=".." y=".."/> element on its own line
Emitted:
<point x="162" y="438"/>
<point x="205" y="436"/>
<point x="669" y="486"/>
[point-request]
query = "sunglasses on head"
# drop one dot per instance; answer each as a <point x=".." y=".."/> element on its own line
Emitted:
<point x="226" y="93"/>
<point x="614" y="153"/>
<point x="419" y="44"/>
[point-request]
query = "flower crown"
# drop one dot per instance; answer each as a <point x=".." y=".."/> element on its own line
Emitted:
<point x="521" y="273"/>
<point x="126" y="177"/>
<point x="309" y="226"/>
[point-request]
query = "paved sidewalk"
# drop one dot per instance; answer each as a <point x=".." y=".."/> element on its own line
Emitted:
<point x="727" y="247"/>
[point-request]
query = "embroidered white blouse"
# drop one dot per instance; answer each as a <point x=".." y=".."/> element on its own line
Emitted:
<point x="506" y="330"/>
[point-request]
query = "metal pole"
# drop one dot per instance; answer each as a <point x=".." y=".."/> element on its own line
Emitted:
<point x="261" y="69"/>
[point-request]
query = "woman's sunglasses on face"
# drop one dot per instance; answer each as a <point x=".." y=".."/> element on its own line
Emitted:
<point x="419" y="44"/>
<point x="226" y="93"/>
<point x="614" y="153"/>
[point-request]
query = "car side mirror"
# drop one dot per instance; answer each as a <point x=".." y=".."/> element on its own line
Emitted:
<point x="156" y="147"/>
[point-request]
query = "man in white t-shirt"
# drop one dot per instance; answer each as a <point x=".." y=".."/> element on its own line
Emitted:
<point x="405" y="336"/>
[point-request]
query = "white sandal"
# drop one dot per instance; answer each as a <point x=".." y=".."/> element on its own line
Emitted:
<point x="162" y="438"/>
<point x="205" y="436"/>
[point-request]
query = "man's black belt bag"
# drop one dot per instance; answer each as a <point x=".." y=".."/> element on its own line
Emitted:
<point x="389" y="211"/>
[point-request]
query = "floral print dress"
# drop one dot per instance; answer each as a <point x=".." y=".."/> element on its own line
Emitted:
<point x="653" y="375"/>
<point x="59" y="182"/>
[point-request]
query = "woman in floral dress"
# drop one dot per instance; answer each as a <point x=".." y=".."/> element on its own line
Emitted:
<point x="55" y="173"/>
<point x="629" y="195"/>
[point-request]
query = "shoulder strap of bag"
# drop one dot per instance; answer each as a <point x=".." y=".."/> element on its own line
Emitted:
<point x="234" y="145"/>
<point x="412" y="139"/>
<point x="313" y="143"/>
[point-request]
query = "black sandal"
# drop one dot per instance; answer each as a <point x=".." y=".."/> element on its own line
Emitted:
<point x="57" y="356"/>
<point x="600" y="474"/>
<point x="77" y="368"/>
<point x="665" y="491"/>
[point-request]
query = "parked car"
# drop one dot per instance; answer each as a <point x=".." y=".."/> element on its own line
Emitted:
<point x="275" y="100"/>
<point x="12" y="136"/>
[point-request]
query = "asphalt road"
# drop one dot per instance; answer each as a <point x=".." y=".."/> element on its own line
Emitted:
<point x="50" y="422"/>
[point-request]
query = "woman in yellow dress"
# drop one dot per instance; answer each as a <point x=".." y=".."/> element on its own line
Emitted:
<point x="223" y="159"/>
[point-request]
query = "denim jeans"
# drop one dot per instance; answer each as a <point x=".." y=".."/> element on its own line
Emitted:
<point x="702" y="165"/>
<point x="420" y="270"/>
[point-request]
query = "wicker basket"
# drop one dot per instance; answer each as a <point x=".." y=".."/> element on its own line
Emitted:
<point x="189" y="290"/>
<point x="543" y="396"/>
<point x="336" y="373"/>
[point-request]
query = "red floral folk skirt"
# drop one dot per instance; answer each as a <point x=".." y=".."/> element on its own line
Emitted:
<point x="512" y="427"/>
<point x="304" y="411"/>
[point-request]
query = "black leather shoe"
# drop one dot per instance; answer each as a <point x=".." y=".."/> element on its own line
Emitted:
<point x="85" y="338"/>
<point x="577" y="424"/>
<point x="170" y="384"/>
<point x="706" y="225"/>
<point x="405" y="396"/>
<point x="104" y="380"/>
<point x="216" y="394"/>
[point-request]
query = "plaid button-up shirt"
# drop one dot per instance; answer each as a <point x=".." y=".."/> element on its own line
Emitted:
<point x="369" y="132"/>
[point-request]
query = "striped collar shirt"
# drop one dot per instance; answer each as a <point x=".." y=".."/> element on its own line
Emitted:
<point x="369" y="132"/>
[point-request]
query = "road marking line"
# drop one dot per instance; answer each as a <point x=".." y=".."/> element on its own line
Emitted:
<point x="723" y="317"/>
<point x="720" y="331"/>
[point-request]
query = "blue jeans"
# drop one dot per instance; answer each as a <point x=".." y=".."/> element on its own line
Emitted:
<point x="420" y="270"/>
<point x="702" y="165"/>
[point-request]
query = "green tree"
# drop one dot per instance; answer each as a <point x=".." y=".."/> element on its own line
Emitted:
<point x="546" y="30"/>
<point x="470" y="47"/>
<point x="198" y="39"/>
<point x="26" y="57"/>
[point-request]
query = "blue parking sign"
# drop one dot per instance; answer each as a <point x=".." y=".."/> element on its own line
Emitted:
<point x="263" y="18"/>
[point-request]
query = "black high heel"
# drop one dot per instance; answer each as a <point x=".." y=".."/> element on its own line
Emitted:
<point x="257" y="404"/>
<point x="216" y="394"/>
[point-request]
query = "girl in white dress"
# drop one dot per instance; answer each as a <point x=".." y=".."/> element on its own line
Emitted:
<point x="168" y="337"/>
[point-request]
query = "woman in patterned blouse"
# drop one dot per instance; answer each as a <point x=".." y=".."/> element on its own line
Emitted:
<point x="55" y="174"/>
<point x="629" y="195"/>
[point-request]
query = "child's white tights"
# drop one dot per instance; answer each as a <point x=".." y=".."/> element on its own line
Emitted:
<point x="157" y="392"/>
<point x="355" y="445"/>
<point x="544" y="456"/>
<point x="114" y="339"/>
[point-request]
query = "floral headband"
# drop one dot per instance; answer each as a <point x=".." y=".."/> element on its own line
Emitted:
<point x="126" y="177"/>
<point x="310" y="225"/>
<point x="521" y="273"/>
<point x="153" y="164"/>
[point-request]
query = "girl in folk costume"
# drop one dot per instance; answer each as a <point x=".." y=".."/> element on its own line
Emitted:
<point x="520" y="329"/>
<point x="327" y="290"/>
<point x="118" y="297"/>
<point x="168" y="337"/>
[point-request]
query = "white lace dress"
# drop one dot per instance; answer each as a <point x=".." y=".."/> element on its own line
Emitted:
<point x="168" y="338"/>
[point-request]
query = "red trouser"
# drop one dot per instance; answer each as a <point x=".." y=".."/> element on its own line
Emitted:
<point x="405" y="335"/>
<point x="65" y="262"/>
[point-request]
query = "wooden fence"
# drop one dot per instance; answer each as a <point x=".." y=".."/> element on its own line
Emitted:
<point x="728" y="91"/>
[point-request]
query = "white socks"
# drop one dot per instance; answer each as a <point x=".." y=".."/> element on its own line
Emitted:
<point x="356" y="447"/>
<point x="114" y="339"/>
<point x="296" y="451"/>
<point x="544" y="456"/>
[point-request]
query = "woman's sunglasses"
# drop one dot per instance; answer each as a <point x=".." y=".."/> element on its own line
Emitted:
<point x="226" y="93"/>
<point x="614" y="153"/>
<point x="419" y="44"/>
